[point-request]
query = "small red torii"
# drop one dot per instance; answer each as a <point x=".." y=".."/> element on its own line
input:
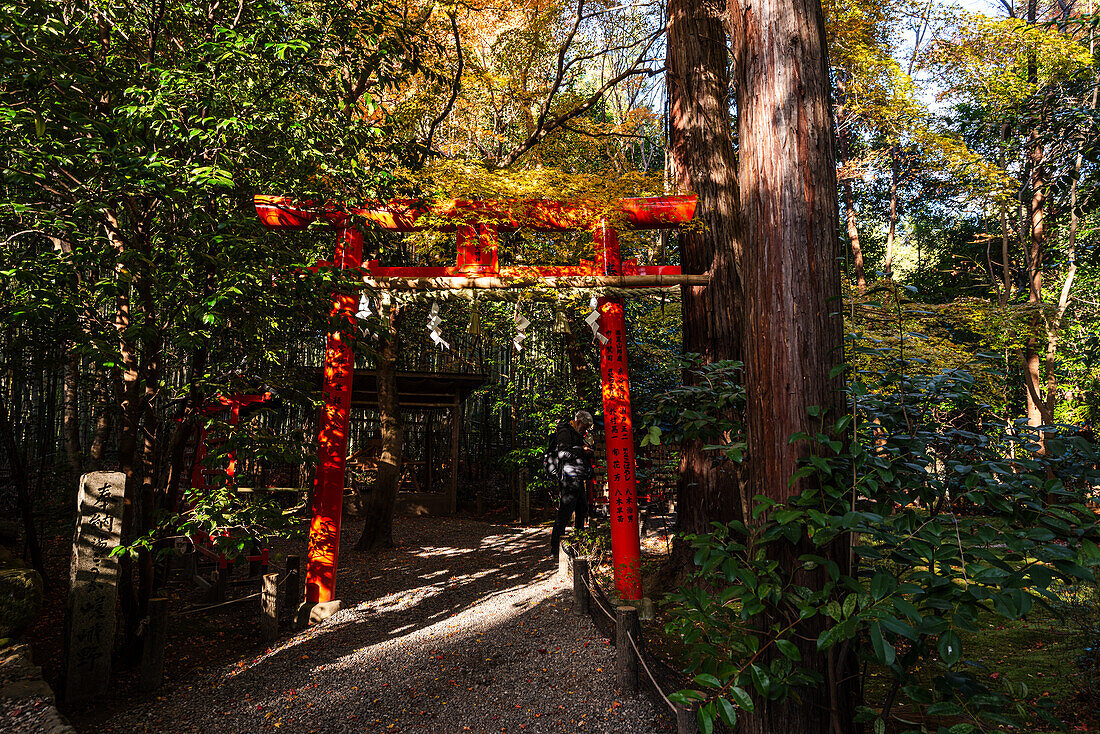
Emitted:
<point x="477" y="224"/>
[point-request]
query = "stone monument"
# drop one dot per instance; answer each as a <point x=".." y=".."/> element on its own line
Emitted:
<point x="93" y="589"/>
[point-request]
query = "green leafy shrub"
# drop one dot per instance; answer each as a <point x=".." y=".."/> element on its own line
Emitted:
<point x="951" y="518"/>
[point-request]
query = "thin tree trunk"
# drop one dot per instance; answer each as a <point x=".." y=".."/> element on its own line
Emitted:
<point x="1005" y="292"/>
<point x="102" y="433"/>
<point x="888" y="262"/>
<point x="1006" y="269"/>
<point x="378" y="507"/>
<point x="151" y="500"/>
<point x="701" y="145"/>
<point x="1054" y="327"/>
<point x="853" y="237"/>
<point x="179" y="470"/>
<point x="1036" y="210"/>
<point x="18" y="464"/>
<point x="849" y="199"/>
<point x="129" y="447"/>
<point x="793" y="326"/>
<point x="70" y="421"/>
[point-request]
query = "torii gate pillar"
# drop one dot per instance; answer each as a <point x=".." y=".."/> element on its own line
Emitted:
<point x="618" y="433"/>
<point x="328" y="485"/>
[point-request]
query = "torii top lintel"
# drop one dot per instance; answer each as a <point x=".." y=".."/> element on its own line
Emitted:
<point x="409" y="215"/>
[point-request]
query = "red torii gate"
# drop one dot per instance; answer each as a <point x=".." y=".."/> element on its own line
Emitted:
<point x="477" y="224"/>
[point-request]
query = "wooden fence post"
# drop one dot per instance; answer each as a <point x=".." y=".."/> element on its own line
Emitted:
<point x="152" y="652"/>
<point x="293" y="582"/>
<point x="221" y="582"/>
<point x="626" y="662"/>
<point x="686" y="722"/>
<point x="269" y="608"/>
<point x="190" y="565"/>
<point x="580" y="584"/>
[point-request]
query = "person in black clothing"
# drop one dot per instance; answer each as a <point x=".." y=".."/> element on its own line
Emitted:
<point x="572" y="467"/>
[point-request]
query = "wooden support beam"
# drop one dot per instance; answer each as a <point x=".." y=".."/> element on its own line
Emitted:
<point x="626" y="661"/>
<point x="564" y="282"/>
<point x="269" y="608"/>
<point x="293" y="582"/>
<point x="580" y="584"/>
<point x="152" y="654"/>
<point x="220" y="583"/>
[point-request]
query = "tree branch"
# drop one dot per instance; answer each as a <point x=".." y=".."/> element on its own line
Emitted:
<point x="545" y="126"/>
<point x="456" y="85"/>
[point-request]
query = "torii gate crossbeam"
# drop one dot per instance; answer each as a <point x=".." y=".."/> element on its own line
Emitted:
<point x="477" y="225"/>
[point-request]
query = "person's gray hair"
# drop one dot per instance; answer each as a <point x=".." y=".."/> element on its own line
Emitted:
<point x="583" y="418"/>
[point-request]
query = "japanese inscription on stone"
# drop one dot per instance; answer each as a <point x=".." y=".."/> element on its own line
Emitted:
<point x="90" y="611"/>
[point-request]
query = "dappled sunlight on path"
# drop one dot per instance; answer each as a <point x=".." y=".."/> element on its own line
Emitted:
<point x="462" y="628"/>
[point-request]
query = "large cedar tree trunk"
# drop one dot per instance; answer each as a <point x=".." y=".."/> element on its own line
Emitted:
<point x="703" y="161"/>
<point x="793" y="328"/>
<point x="379" y="505"/>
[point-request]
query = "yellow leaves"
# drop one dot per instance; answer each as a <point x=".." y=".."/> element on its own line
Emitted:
<point x="858" y="29"/>
<point x="453" y="179"/>
<point x="967" y="169"/>
<point x="987" y="58"/>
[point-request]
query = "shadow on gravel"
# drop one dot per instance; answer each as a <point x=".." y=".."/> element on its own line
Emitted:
<point x="441" y="568"/>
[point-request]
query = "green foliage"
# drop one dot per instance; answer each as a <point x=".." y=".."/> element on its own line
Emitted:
<point x="945" y="524"/>
<point x="134" y="143"/>
<point x="706" y="407"/>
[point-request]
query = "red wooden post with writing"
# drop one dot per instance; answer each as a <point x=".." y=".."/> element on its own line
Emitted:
<point x="618" y="433"/>
<point x="328" y="486"/>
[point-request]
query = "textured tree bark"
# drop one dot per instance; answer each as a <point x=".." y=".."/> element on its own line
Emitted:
<point x="793" y="328"/>
<point x="379" y="505"/>
<point x="703" y="160"/>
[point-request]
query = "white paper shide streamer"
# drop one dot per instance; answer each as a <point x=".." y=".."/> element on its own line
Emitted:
<point x="434" y="321"/>
<point x="364" y="312"/>
<point x="522" y="322"/>
<point x="593" y="321"/>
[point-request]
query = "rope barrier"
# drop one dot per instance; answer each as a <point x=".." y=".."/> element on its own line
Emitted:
<point x="641" y="659"/>
<point x="592" y="588"/>
<point x="595" y="592"/>
<point x="208" y="607"/>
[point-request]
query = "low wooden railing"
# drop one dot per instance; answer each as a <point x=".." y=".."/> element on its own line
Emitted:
<point x="623" y="625"/>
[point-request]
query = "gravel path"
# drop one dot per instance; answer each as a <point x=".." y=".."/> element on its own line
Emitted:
<point x="462" y="628"/>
